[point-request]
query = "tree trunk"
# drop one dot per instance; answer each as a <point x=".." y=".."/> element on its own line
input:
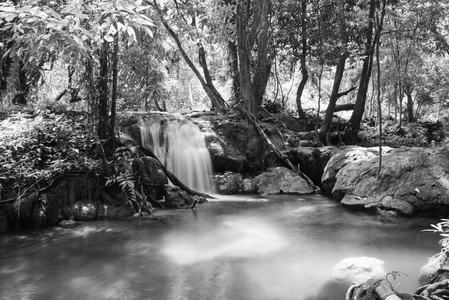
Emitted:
<point x="234" y="66"/>
<point x="359" y="108"/>
<point x="304" y="73"/>
<point x="103" y="93"/>
<point x="251" y="26"/>
<point x="325" y="128"/>
<point x="91" y="105"/>
<point x="263" y="62"/>
<point x="114" y="93"/>
<point x="216" y="99"/>
<point x="334" y="95"/>
<point x="401" y="94"/>
<point x="22" y="85"/>
<point x="410" y="112"/>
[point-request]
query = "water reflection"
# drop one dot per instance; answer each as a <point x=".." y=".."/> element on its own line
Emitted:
<point x="277" y="247"/>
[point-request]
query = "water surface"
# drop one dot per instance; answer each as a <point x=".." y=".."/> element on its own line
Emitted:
<point x="239" y="247"/>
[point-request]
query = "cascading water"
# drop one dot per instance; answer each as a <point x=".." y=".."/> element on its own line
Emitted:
<point x="180" y="146"/>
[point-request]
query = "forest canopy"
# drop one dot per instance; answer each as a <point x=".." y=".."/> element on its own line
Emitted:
<point x="369" y="58"/>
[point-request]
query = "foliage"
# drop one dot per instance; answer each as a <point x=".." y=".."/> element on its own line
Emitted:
<point x="53" y="145"/>
<point x="442" y="228"/>
<point x="131" y="188"/>
<point x="40" y="31"/>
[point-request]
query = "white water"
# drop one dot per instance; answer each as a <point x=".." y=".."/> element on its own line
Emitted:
<point x="180" y="146"/>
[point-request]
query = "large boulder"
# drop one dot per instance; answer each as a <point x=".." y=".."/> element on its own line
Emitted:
<point x="281" y="180"/>
<point x="411" y="181"/>
<point x="234" y="144"/>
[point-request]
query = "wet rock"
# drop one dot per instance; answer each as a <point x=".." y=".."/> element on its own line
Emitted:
<point x="312" y="161"/>
<point x="175" y="197"/>
<point x="112" y="211"/>
<point x="412" y="180"/>
<point x="436" y="266"/>
<point x="399" y="205"/>
<point x="356" y="270"/>
<point x="224" y="157"/>
<point x="248" y="186"/>
<point x="342" y="158"/>
<point x="84" y="211"/>
<point x="281" y="180"/>
<point x="152" y="175"/>
<point x="234" y="145"/>
<point x="229" y="183"/>
<point x="69" y="223"/>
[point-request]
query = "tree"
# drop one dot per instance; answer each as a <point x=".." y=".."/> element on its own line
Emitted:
<point x="344" y="54"/>
<point x="293" y="35"/>
<point x="43" y="32"/>
<point x="186" y="13"/>
<point x="372" y="37"/>
<point x="252" y="35"/>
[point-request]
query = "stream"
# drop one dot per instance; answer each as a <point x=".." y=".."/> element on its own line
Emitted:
<point x="234" y="247"/>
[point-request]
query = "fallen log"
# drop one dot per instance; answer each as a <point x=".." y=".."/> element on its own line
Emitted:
<point x="148" y="152"/>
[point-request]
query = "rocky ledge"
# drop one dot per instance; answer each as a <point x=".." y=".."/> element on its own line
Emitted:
<point x="411" y="181"/>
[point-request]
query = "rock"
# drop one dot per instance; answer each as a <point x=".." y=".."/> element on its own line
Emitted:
<point x="83" y="211"/>
<point x="69" y="223"/>
<point x="340" y="160"/>
<point x="401" y="206"/>
<point x="112" y="211"/>
<point x="356" y="270"/>
<point x="312" y="161"/>
<point x="248" y="186"/>
<point x="229" y="183"/>
<point x="151" y="174"/>
<point x="175" y="197"/>
<point x="281" y="180"/>
<point x="412" y="180"/>
<point x="234" y="145"/>
<point x="429" y="273"/>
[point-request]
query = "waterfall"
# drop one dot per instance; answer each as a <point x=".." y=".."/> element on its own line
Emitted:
<point x="180" y="146"/>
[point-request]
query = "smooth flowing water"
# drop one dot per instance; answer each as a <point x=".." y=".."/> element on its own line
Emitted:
<point x="180" y="146"/>
<point x="239" y="247"/>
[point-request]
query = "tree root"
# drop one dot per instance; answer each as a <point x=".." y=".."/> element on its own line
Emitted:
<point x="276" y="151"/>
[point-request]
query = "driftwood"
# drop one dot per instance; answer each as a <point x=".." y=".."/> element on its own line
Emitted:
<point x="276" y="151"/>
<point x="172" y="177"/>
<point x="372" y="290"/>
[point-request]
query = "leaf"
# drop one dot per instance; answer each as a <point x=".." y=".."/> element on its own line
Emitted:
<point x="108" y="38"/>
<point x="131" y="35"/>
<point x="112" y="30"/>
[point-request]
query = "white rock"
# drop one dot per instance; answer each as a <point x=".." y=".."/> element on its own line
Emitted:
<point x="355" y="270"/>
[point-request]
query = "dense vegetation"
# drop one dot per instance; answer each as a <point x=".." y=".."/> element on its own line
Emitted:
<point x="361" y="59"/>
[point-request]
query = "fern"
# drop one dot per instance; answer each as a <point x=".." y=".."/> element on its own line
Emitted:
<point x="126" y="182"/>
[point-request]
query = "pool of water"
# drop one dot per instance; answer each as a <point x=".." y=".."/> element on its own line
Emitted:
<point x="234" y="247"/>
